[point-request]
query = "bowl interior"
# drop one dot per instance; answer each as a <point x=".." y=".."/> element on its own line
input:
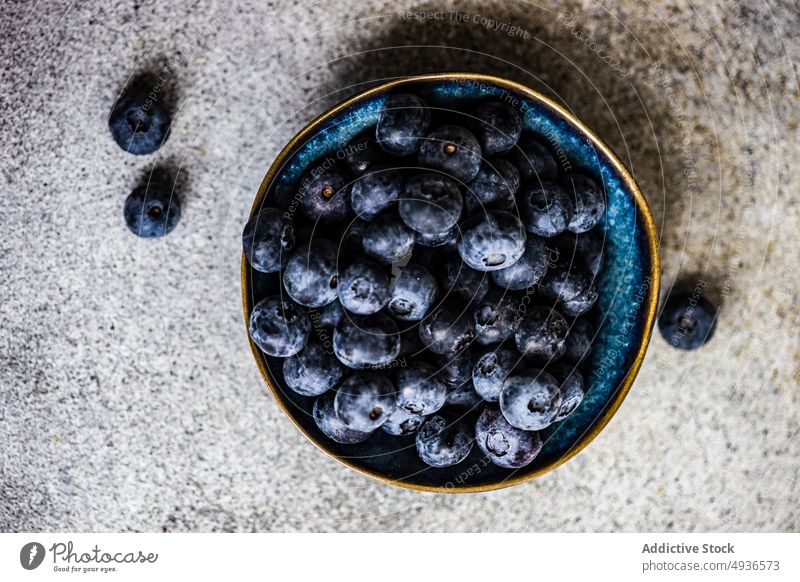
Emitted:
<point x="627" y="285"/>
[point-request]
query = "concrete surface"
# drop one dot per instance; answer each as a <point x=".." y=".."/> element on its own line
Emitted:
<point x="129" y="398"/>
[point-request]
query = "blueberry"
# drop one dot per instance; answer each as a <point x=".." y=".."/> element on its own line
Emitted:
<point x="440" y="444"/>
<point x="494" y="187"/>
<point x="312" y="371"/>
<point x="375" y="190"/>
<point x="364" y="401"/>
<point x="455" y="369"/>
<point x="353" y="236"/>
<point x="565" y="281"/>
<point x="268" y="238"/>
<point x="505" y="446"/>
<point x="366" y="340"/>
<point x="388" y="240"/>
<point x="687" y="319"/>
<point x="497" y="127"/>
<point x="590" y="202"/>
<point x="410" y="344"/>
<point x="491" y="242"/>
<point x="402" y="423"/>
<point x="542" y="334"/>
<point x="324" y="194"/>
<point x="431" y="203"/>
<point x="491" y="370"/>
<point x="587" y="247"/>
<point x="151" y="210"/>
<point x="460" y="280"/>
<point x="279" y="328"/>
<point x="546" y="209"/>
<point x="328" y="316"/>
<point x="361" y="154"/>
<point x="581" y="304"/>
<point x="528" y="270"/>
<point x="363" y="287"/>
<point x="453" y="150"/>
<point x="496" y="317"/>
<point x="403" y="122"/>
<point x="413" y="292"/>
<point x="310" y="274"/>
<point x="419" y="389"/>
<point x="447" y="329"/>
<point x="333" y="428"/>
<point x="463" y="397"/>
<point x="440" y="239"/>
<point x="578" y="344"/>
<point x="533" y="160"/>
<point x="572" y="388"/>
<point x="138" y="124"/>
<point x="530" y="399"/>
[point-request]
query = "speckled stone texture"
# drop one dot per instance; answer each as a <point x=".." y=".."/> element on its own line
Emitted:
<point x="129" y="399"/>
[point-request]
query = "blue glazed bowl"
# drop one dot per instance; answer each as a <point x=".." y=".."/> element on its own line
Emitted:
<point x="628" y="284"/>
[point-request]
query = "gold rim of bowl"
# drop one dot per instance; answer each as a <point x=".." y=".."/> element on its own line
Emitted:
<point x="641" y="206"/>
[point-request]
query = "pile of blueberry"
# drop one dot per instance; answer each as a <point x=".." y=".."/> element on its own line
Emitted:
<point x="453" y="265"/>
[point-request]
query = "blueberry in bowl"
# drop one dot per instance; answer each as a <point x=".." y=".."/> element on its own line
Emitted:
<point x="450" y="283"/>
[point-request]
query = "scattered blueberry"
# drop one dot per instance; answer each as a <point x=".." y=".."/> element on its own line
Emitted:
<point x="528" y="270"/>
<point x="151" y="210"/>
<point x="268" y="238"/>
<point x="546" y="209"/>
<point x="497" y="127"/>
<point x="431" y="203"/>
<point x="363" y="287"/>
<point x="324" y="194"/>
<point x="364" y="401"/>
<point x="505" y="446"/>
<point x="419" y="389"/>
<point x="572" y="388"/>
<point x="493" y="188"/>
<point x="542" y="334"/>
<point x="279" y="328"/>
<point x="402" y="423"/>
<point x="448" y="329"/>
<point x="388" y="240"/>
<point x="310" y="274"/>
<point x="403" y="122"/>
<point x="313" y="370"/>
<point x="491" y="242"/>
<point x="590" y="202"/>
<point x="496" y="316"/>
<point x="139" y="124"/>
<point x="687" y="319"/>
<point x="330" y="425"/>
<point x="440" y="444"/>
<point x="413" y="293"/>
<point x="453" y="150"/>
<point x="578" y="344"/>
<point x="530" y="399"/>
<point x="491" y="370"/>
<point x="375" y="190"/>
<point x="366" y="340"/>
<point x="534" y="161"/>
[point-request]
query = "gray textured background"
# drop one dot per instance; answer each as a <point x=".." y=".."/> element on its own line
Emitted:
<point x="129" y="397"/>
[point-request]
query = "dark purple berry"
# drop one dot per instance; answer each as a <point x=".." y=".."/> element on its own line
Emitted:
<point x="310" y="275"/>
<point x="448" y="329"/>
<point x="546" y="209"/>
<point x="533" y="160"/>
<point x="530" y="399"/>
<point x="431" y="203"/>
<point x="312" y="371"/>
<point x="366" y="340"/>
<point x="440" y="444"/>
<point x="279" y="328"/>
<point x="590" y="202"/>
<point x="388" y="240"/>
<point x="363" y="287"/>
<point x="491" y="370"/>
<point x="324" y="194"/>
<point x="687" y="319"/>
<point x="268" y="238"/>
<point x="375" y="191"/>
<point x="492" y="241"/>
<point x="330" y="425"/>
<point x="528" y="270"/>
<point x="453" y="150"/>
<point x="403" y="123"/>
<point x="496" y="316"/>
<point x="505" y="446"/>
<point x="497" y="127"/>
<point x="364" y="401"/>
<point x="419" y="389"/>
<point x="542" y="333"/>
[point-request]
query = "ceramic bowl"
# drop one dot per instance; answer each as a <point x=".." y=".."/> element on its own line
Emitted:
<point x="628" y="284"/>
